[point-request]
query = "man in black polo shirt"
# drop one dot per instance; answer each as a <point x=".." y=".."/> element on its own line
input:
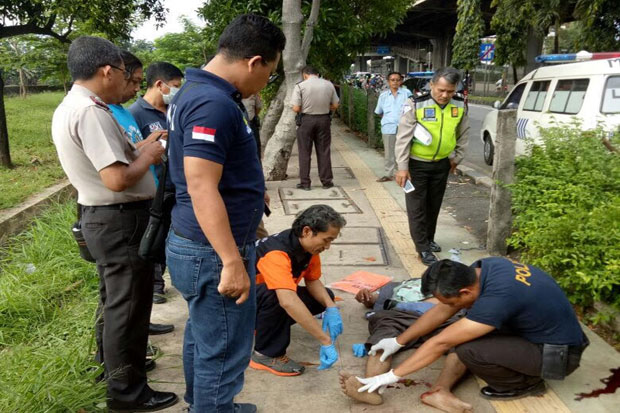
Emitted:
<point x="219" y="185"/>
<point x="519" y="329"/>
<point x="163" y="81"/>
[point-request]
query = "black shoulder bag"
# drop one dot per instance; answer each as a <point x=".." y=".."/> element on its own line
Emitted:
<point x="299" y="116"/>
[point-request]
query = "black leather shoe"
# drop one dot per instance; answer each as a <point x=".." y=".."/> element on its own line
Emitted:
<point x="159" y="298"/>
<point x="535" y="389"/>
<point x="149" y="365"/>
<point x="158" y="401"/>
<point x="428" y="258"/>
<point x="329" y="185"/>
<point x="245" y="408"/>
<point x="155" y="329"/>
<point x="435" y="247"/>
<point x="304" y="187"/>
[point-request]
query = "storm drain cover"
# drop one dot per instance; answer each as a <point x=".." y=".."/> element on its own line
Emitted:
<point x="316" y="193"/>
<point x="355" y="255"/>
<point x="343" y="206"/>
<point x="359" y="235"/>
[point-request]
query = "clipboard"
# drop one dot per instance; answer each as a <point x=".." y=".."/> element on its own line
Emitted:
<point x="422" y="134"/>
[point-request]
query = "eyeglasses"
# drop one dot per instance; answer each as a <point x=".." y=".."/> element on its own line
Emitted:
<point x="126" y="74"/>
<point x="273" y="78"/>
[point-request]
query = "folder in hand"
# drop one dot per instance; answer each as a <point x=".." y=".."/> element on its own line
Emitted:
<point x="422" y="134"/>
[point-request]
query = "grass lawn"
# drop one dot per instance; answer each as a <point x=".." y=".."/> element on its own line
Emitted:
<point x="48" y="297"/>
<point x="33" y="153"/>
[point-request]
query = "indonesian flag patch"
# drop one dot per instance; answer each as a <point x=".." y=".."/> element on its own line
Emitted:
<point x="203" y="134"/>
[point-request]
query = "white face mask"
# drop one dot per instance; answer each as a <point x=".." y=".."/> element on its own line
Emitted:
<point x="168" y="98"/>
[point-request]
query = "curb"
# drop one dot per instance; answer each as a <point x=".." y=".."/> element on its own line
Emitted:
<point x="14" y="220"/>
<point x="478" y="177"/>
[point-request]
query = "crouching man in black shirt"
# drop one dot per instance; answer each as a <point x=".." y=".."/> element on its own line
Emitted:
<point x="519" y="329"/>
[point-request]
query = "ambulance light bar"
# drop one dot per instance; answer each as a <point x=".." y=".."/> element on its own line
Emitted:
<point x="575" y="57"/>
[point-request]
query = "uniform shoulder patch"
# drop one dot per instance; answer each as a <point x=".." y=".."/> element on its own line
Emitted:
<point x="423" y="97"/>
<point x="99" y="102"/>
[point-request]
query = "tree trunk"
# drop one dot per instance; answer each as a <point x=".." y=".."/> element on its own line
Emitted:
<point x="556" y="38"/>
<point x="279" y="147"/>
<point x="22" y="83"/>
<point x="5" y="155"/>
<point x="273" y="115"/>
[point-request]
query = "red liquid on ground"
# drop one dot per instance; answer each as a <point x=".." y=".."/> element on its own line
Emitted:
<point x="611" y="385"/>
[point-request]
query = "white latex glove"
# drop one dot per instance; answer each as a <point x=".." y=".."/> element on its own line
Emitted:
<point x="378" y="382"/>
<point x="389" y="347"/>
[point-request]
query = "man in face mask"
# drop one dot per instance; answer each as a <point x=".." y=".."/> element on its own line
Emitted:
<point x="163" y="80"/>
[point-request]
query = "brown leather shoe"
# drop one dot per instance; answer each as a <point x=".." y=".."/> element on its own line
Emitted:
<point x="384" y="179"/>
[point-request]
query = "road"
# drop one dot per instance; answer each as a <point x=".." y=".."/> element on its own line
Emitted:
<point x="474" y="153"/>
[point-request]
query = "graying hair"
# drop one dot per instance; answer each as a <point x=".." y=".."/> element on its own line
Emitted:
<point x="89" y="53"/>
<point x="319" y="218"/>
<point x="451" y="75"/>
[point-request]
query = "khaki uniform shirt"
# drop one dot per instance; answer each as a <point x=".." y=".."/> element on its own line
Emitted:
<point x="89" y="139"/>
<point x="314" y="95"/>
<point x="252" y="105"/>
<point x="404" y="137"/>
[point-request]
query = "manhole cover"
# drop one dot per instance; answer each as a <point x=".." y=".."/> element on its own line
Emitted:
<point x="359" y="235"/>
<point x="357" y="255"/>
<point x="316" y="193"/>
<point x="344" y="206"/>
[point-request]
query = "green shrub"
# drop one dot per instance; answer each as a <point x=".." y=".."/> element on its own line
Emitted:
<point x="48" y="297"/>
<point x="360" y="111"/>
<point x="566" y="201"/>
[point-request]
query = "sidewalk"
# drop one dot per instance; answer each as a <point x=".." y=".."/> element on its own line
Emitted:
<point x="376" y="239"/>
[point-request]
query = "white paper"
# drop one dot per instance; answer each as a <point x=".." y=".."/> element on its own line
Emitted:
<point x="422" y="134"/>
<point x="163" y="142"/>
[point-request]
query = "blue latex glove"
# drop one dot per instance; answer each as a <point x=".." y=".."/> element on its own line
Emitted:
<point x="333" y="322"/>
<point x="359" y="350"/>
<point x="328" y="356"/>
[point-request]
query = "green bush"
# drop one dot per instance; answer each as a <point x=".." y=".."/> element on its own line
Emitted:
<point x="360" y="111"/>
<point x="566" y="201"/>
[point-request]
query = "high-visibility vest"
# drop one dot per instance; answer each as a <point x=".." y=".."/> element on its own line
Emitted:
<point x="441" y="123"/>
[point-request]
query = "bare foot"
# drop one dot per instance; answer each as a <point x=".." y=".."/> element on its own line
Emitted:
<point x="349" y="386"/>
<point x="444" y="400"/>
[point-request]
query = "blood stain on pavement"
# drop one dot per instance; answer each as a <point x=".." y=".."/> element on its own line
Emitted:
<point x="611" y="385"/>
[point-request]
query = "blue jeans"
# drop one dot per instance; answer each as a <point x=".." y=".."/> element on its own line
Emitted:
<point x="219" y="333"/>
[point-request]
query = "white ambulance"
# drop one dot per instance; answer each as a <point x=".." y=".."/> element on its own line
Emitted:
<point x="587" y="91"/>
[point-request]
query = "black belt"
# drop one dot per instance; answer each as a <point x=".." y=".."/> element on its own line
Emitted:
<point x="308" y="114"/>
<point x="127" y="205"/>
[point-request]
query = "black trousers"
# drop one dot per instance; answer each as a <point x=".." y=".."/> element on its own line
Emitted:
<point x="125" y="298"/>
<point x="315" y="129"/>
<point x="424" y="203"/>
<point x="273" y="324"/>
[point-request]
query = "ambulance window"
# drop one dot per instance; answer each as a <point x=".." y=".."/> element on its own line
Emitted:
<point x="536" y="96"/>
<point x="611" y="96"/>
<point x="568" y="96"/>
<point x="512" y="102"/>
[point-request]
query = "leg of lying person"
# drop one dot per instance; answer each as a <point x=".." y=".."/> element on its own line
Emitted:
<point x="374" y="366"/>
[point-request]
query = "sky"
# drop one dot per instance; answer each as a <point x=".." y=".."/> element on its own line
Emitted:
<point x="176" y="8"/>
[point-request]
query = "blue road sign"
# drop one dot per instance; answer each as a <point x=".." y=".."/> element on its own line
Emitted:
<point x="383" y="50"/>
<point x="487" y="52"/>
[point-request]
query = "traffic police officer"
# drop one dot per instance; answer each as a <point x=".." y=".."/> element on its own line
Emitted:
<point x="440" y="116"/>
<point x="313" y="99"/>
<point x="115" y="188"/>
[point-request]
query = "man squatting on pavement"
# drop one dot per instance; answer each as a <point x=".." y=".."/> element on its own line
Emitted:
<point x="284" y="259"/>
<point x="115" y="189"/>
<point x="215" y="168"/>
<point x="444" y="116"/>
<point x="519" y="329"/>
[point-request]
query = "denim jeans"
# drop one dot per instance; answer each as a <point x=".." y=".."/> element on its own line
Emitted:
<point x="219" y="333"/>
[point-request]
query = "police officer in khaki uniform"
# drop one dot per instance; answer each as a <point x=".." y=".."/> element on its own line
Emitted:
<point x="115" y="188"/>
<point x="314" y="98"/>
<point x="427" y="163"/>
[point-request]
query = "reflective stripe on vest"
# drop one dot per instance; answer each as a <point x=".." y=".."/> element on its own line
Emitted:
<point x="442" y="124"/>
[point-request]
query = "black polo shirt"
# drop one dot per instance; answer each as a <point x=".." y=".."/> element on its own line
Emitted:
<point x="205" y="120"/>
<point x="147" y="117"/>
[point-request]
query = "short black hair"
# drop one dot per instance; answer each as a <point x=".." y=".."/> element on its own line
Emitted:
<point x="447" y="277"/>
<point x="309" y="70"/>
<point x="319" y="218"/>
<point x="452" y="75"/>
<point x="394" y="73"/>
<point x="251" y="35"/>
<point x="88" y="53"/>
<point x="162" y="71"/>
<point x="132" y="63"/>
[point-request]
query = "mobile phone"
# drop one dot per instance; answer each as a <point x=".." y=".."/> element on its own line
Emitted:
<point x="267" y="210"/>
<point x="408" y="187"/>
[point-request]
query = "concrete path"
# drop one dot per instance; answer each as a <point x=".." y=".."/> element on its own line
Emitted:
<point x="376" y="239"/>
